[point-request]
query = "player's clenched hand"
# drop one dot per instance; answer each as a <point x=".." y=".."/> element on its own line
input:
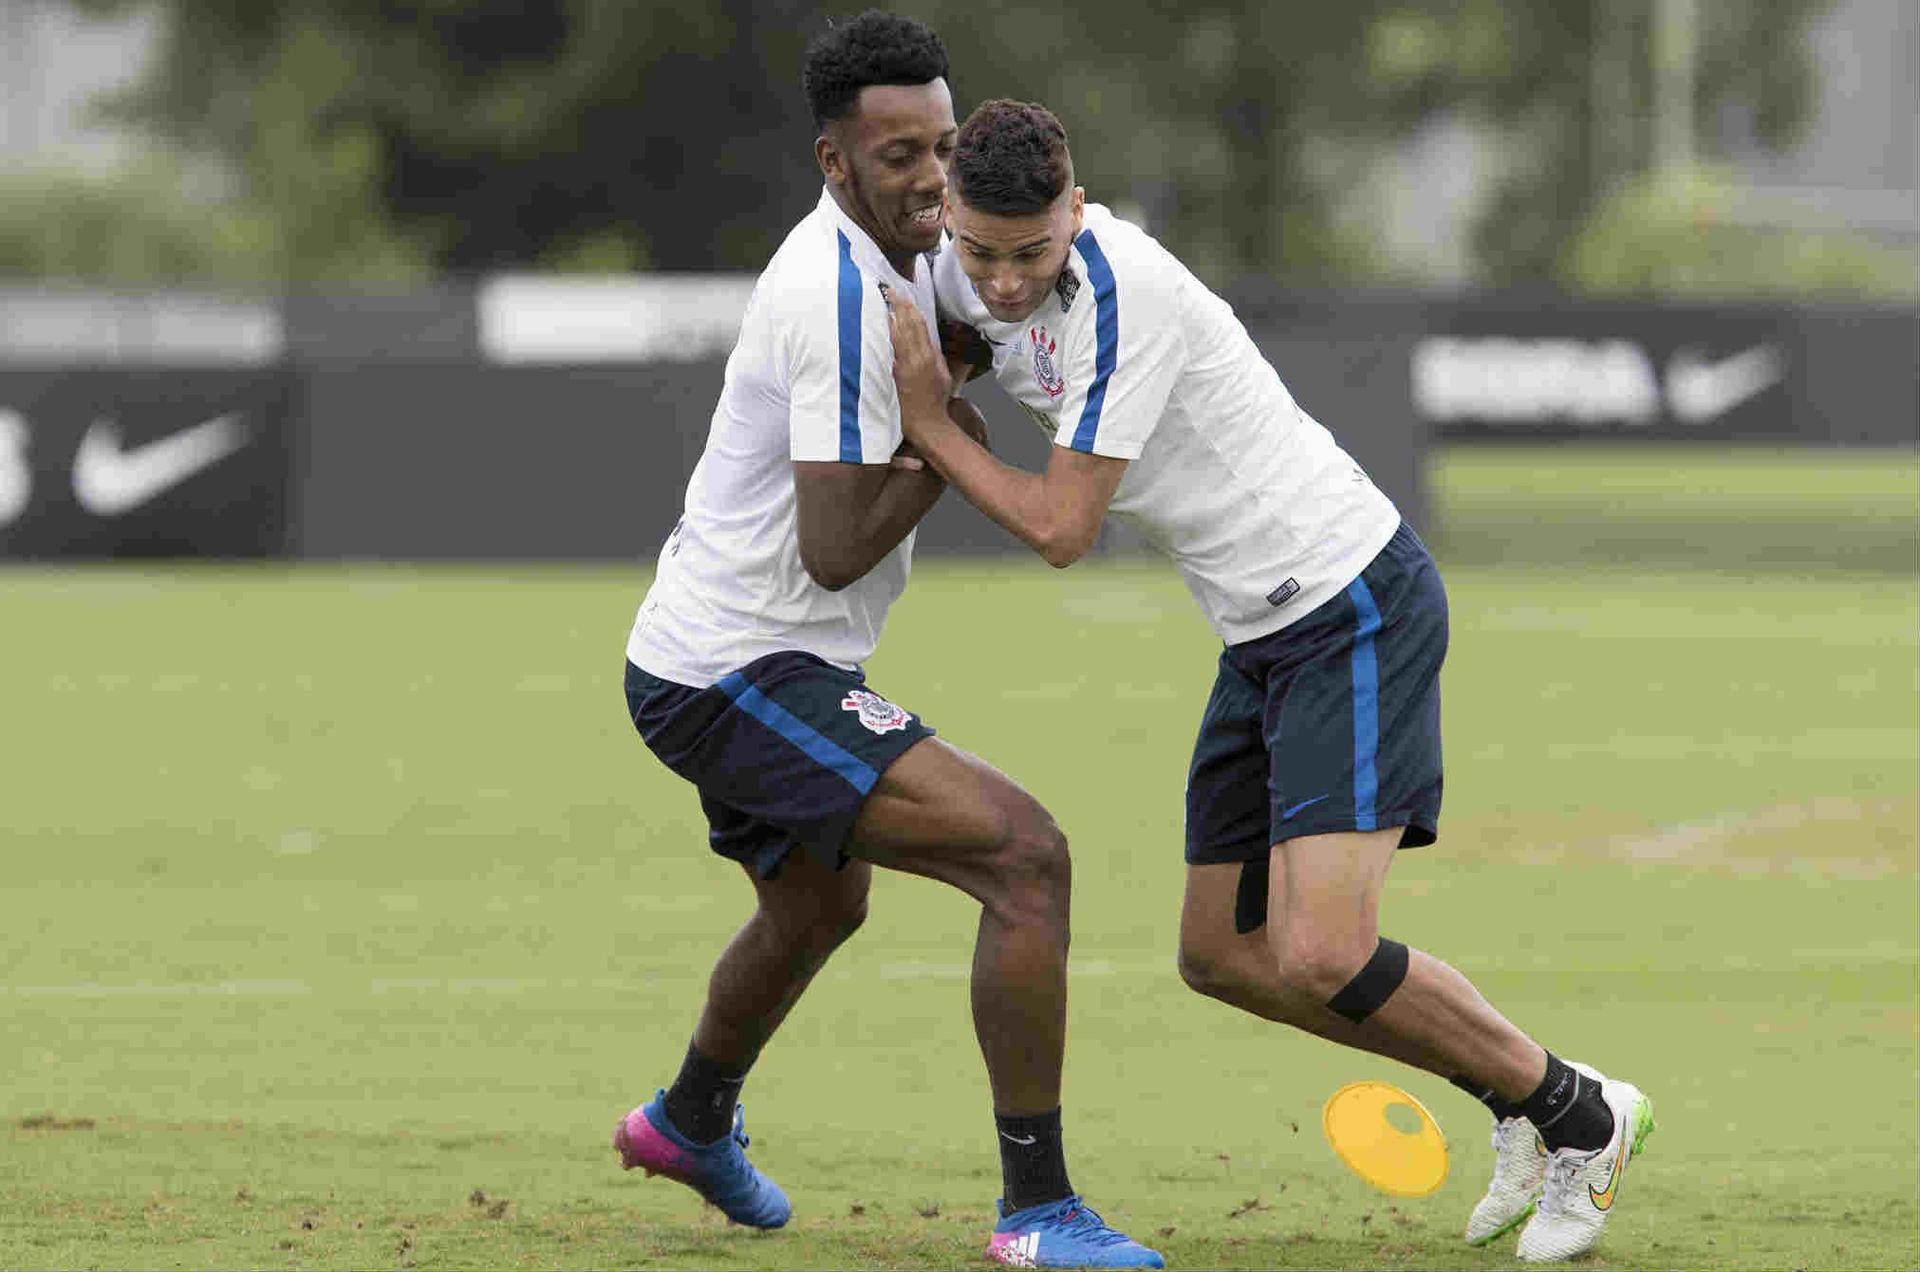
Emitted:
<point x="966" y="351"/>
<point x="919" y="373"/>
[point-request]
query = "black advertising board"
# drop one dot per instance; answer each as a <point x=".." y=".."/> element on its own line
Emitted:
<point x="105" y="462"/>
<point x="430" y="461"/>
<point x="422" y="449"/>
<point x="449" y="462"/>
<point x="1512" y="367"/>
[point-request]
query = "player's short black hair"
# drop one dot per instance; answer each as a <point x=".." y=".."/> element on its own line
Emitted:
<point x="1011" y="158"/>
<point x="874" y="48"/>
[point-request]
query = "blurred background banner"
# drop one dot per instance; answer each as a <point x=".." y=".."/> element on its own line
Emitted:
<point x="1824" y="375"/>
<point x="418" y="461"/>
<point x="107" y="461"/>
<point x="416" y="425"/>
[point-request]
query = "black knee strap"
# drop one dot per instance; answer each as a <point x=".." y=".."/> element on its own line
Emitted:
<point x="1373" y="984"/>
<point x="1250" y="898"/>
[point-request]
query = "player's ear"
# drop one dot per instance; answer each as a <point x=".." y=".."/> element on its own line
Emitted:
<point x="832" y="160"/>
<point x="1079" y="208"/>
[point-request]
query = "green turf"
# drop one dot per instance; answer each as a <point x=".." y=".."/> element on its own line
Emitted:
<point x="1754" y="508"/>
<point x="345" y="914"/>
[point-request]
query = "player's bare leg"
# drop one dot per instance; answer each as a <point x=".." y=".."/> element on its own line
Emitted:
<point x="1326" y="970"/>
<point x="694" y="1131"/>
<point x="1323" y="906"/>
<point x="947" y="815"/>
<point x="1239" y="969"/>
<point x="803" y="915"/>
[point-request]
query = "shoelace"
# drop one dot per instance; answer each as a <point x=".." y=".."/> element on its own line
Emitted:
<point x="1561" y="1169"/>
<point x="1084" y="1222"/>
<point x="1514" y="1139"/>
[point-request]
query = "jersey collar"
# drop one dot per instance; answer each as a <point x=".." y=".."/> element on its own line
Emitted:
<point x="865" y="250"/>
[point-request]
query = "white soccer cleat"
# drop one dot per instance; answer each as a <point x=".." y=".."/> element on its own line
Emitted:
<point x="1519" y="1173"/>
<point x="1582" y="1186"/>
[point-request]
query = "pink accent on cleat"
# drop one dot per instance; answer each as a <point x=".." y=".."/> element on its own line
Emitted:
<point x="1011" y="1248"/>
<point x="719" y="1172"/>
<point x="640" y="1144"/>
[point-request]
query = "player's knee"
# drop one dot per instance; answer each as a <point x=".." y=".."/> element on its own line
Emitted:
<point x="844" y="921"/>
<point x="1318" y="965"/>
<point x="1033" y="873"/>
<point x="1346" y="983"/>
<point x="1210" y="971"/>
<point x="813" y="931"/>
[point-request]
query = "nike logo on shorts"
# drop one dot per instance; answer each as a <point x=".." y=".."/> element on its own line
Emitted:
<point x="1286" y="814"/>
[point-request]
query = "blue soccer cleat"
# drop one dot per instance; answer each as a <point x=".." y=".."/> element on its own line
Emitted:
<point x="719" y="1172"/>
<point x="1064" y="1234"/>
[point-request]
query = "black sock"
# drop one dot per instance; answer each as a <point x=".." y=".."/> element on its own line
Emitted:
<point x="700" y="1101"/>
<point x="1501" y="1109"/>
<point x="1033" y="1166"/>
<point x="1567" y="1109"/>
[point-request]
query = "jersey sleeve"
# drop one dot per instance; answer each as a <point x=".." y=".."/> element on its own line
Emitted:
<point x="1122" y="364"/>
<point x="842" y="401"/>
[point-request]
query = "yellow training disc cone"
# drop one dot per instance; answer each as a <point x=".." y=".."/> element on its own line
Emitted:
<point x="1387" y="1137"/>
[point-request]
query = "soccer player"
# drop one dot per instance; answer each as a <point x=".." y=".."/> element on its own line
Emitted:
<point x="744" y="673"/>
<point x="1319" y="750"/>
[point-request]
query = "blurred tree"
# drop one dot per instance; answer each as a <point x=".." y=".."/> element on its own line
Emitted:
<point x="1680" y="235"/>
<point x="142" y="226"/>
<point x="672" y="134"/>
<point x="132" y="227"/>
<point x="1567" y="87"/>
<point x="503" y="133"/>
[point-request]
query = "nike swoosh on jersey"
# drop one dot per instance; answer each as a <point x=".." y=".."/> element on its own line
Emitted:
<point x="110" y="479"/>
<point x="1700" y="391"/>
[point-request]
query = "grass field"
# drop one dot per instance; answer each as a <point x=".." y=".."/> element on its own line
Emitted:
<point x="344" y="914"/>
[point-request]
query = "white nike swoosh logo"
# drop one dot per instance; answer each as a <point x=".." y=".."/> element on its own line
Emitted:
<point x="1699" y="391"/>
<point x="109" y="479"/>
<point x="1015" y="1139"/>
<point x="16" y="470"/>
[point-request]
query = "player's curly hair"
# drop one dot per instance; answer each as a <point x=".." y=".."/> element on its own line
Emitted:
<point x="1011" y="158"/>
<point x="874" y="48"/>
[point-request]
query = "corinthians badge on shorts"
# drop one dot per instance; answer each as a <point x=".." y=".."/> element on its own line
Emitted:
<point x="1043" y="368"/>
<point x="876" y="713"/>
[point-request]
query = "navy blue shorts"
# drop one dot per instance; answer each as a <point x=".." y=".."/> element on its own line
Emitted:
<point x="1329" y="724"/>
<point x="783" y="752"/>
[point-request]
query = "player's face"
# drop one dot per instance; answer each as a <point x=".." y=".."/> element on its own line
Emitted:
<point x="1013" y="262"/>
<point x="886" y="162"/>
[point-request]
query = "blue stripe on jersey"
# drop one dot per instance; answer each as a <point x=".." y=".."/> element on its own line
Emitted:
<point x="1366" y="706"/>
<point x="851" y="294"/>
<point x="1107" y="332"/>
<point x="859" y="774"/>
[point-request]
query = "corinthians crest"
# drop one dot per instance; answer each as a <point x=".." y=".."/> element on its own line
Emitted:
<point x="1044" y="369"/>
<point x="876" y="713"/>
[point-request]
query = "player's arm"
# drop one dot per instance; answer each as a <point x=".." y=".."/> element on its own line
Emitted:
<point x="849" y="516"/>
<point x="858" y="489"/>
<point x="1057" y="513"/>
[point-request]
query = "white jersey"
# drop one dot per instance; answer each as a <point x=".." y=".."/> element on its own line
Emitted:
<point x="811" y="378"/>
<point x="1132" y="357"/>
